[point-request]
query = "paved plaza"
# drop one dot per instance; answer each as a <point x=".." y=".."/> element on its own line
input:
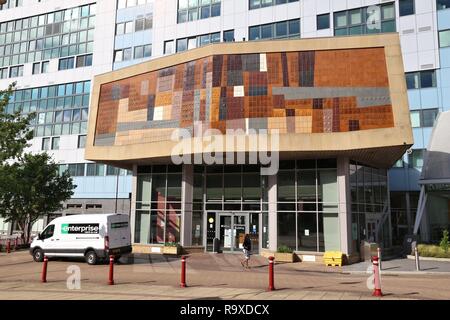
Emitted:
<point x="209" y="276"/>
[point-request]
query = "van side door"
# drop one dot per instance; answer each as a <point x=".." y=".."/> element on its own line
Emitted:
<point x="47" y="238"/>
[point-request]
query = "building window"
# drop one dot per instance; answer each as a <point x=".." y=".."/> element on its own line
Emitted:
<point x="406" y="7"/>
<point x="61" y="109"/>
<point x="124" y="27"/>
<point x="93" y="206"/>
<point x="95" y="169"/>
<point x="81" y="142"/>
<point x="55" y="143"/>
<point x="444" y="38"/>
<point x="3" y="73"/>
<point x="76" y="169"/>
<point x="168" y="47"/>
<point x="228" y="36"/>
<point x="191" y="10"/>
<point x="74" y="206"/>
<point x="143" y="23"/>
<point x="421" y="79"/>
<point x="142" y="51"/>
<point x="44" y="67"/>
<point x="123" y="54"/>
<point x="415" y="159"/>
<point x="36" y="68"/>
<point x="122" y="4"/>
<point x="278" y="30"/>
<point x="443" y="4"/>
<point x="84" y="61"/>
<point x="323" y="21"/>
<point x="8" y="4"/>
<point x="194" y="42"/>
<point x="45" y="144"/>
<point x="355" y="21"/>
<point x="51" y="35"/>
<point x="15" y="72"/>
<point x="66" y="63"/>
<point x="423" y="118"/>
<point x="256" y="4"/>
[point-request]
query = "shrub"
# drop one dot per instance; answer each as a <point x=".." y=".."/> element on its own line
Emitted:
<point x="426" y="250"/>
<point x="284" y="249"/>
<point x="171" y="244"/>
<point x="444" y="241"/>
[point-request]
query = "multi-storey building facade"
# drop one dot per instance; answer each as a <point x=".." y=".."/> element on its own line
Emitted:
<point x="108" y="35"/>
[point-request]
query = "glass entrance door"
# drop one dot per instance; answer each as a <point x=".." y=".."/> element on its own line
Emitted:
<point x="231" y="230"/>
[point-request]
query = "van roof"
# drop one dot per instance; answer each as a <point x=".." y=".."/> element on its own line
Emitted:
<point x="88" y="216"/>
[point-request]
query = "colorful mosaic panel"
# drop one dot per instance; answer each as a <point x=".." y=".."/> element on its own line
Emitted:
<point x="292" y="92"/>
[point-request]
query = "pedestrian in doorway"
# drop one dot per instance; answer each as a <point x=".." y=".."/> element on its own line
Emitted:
<point x="247" y="251"/>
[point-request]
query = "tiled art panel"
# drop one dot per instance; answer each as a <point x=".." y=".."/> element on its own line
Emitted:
<point x="292" y="92"/>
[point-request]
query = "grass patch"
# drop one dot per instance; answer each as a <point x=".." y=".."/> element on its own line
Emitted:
<point x="428" y="250"/>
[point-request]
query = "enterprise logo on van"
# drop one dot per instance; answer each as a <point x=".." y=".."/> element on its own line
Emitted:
<point x="67" y="228"/>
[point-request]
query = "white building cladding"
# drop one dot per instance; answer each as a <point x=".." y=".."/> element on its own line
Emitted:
<point x="131" y="31"/>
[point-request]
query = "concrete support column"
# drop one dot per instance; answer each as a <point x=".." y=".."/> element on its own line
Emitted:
<point x="187" y="193"/>
<point x="273" y="213"/>
<point x="133" y="203"/>
<point x="408" y="213"/>
<point x="345" y="213"/>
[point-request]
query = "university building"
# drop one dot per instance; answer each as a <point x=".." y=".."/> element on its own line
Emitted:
<point x="54" y="49"/>
<point x="336" y="129"/>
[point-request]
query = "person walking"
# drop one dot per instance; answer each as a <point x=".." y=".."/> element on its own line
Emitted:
<point x="247" y="251"/>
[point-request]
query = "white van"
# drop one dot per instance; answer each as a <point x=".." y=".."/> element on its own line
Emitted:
<point x="92" y="236"/>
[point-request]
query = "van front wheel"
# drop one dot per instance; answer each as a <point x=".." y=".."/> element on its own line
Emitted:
<point x="38" y="255"/>
<point x="91" y="257"/>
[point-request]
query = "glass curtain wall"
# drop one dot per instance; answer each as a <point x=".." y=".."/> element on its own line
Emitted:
<point x="158" y="204"/>
<point x="369" y="196"/>
<point x="308" y="205"/>
<point x="231" y="188"/>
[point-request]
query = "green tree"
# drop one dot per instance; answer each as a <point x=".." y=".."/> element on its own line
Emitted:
<point x="33" y="188"/>
<point x="30" y="186"/>
<point x="14" y="128"/>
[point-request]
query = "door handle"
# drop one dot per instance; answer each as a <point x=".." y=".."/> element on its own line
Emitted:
<point x="52" y="239"/>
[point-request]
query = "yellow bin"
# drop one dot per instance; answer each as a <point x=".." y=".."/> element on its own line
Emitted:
<point x="333" y="258"/>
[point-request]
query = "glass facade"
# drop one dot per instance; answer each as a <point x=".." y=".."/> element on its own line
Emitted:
<point x="369" y="199"/>
<point x="256" y="4"/>
<point x="421" y="79"/>
<point x="278" y="30"/>
<point x="60" y="109"/>
<point x="308" y="205"/>
<point x="374" y="19"/>
<point x="197" y="41"/>
<point x="191" y="10"/>
<point x="237" y="196"/>
<point x="58" y="34"/>
<point x="158" y="204"/>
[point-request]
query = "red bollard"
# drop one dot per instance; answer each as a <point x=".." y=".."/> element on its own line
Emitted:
<point x="44" y="270"/>
<point x="183" y="272"/>
<point x="8" y="246"/>
<point x="376" y="273"/>
<point x="271" y="276"/>
<point x="111" y="270"/>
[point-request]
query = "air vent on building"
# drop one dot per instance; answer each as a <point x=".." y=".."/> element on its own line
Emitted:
<point x="427" y="66"/>
<point x="423" y="29"/>
<point x="408" y="31"/>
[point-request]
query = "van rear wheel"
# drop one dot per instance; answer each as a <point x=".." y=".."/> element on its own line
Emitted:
<point x="91" y="257"/>
<point x="38" y="255"/>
